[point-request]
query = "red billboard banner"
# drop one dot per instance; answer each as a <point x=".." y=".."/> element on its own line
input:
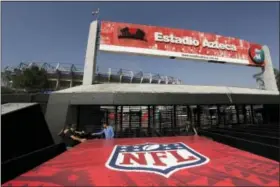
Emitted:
<point x="178" y="43"/>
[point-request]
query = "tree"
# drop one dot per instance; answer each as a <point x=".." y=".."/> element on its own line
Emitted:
<point x="30" y="79"/>
<point x="6" y="78"/>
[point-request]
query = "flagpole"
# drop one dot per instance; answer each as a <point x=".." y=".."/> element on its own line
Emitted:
<point x="96" y="13"/>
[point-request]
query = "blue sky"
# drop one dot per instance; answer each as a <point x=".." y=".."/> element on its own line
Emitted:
<point x="58" y="32"/>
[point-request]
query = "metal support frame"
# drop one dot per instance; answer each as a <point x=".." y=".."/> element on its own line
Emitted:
<point x="237" y="114"/>
<point x="121" y="121"/>
<point x="116" y="119"/>
<point x="198" y="116"/>
<point x="174" y="116"/>
<point x="129" y="120"/>
<point x="107" y="117"/>
<point x="252" y="114"/>
<point x="78" y="117"/>
<point x="189" y="113"/>
<point x="244" y="111"/>
<point x="160" y="122"/>
<point x="154" y="121"/>
<point x="140" y="118"/>
<point x="211" y="118"/>
<point x="149" y="118"/>
<point x="225" y="115"/>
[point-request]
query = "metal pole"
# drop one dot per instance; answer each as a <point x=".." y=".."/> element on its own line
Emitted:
<point x="237" y="113"/>
<point x="129" y="120"/>
<point x="174" y="116"/>
<point x="252" y="114"/>
<point x="244" y="113"/>
<point x="140" y="118"/>
<point x="219" y="115"/>
<point x="225" y="115"/>
<point x="78" y="117"/>
<point x="96" y="13"/>
<point x="154" y="120"/>
<point x="107" y="116"/>
<point x="191" y="115"/>
<point x="198" y="116"/>
<point x="160" y="127"/>
<point x="121" y="121"/>
<point x="116" y="119"/>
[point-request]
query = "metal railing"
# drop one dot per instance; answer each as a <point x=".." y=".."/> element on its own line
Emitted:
<point x="67" y="69"/>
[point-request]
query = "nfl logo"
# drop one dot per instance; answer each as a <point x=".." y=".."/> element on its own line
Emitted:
<point x="162" y="159"/>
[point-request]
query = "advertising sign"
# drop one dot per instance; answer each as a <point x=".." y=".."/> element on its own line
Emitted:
<point x="178" y="43"/>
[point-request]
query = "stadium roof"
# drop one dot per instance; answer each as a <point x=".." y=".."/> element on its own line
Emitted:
<point x="149" y="88"/>
<point x="148" y="94"/>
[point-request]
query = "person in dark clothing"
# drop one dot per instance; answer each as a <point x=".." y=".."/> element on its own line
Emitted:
<point x="70" y="139"/>
<point x="78" y="133"/>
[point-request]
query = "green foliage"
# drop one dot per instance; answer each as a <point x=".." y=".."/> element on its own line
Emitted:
<point x="32" y="78"/>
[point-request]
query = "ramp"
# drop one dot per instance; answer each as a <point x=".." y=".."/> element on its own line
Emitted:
<point x="169" y="161"/>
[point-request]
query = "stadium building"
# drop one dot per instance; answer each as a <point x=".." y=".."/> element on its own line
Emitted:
<point x="77" y="103"/>
<point x="151" y="122"/>
<point x="62" y="76"/>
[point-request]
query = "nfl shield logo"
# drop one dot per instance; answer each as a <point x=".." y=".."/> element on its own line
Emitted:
<point x="162" y="159"/>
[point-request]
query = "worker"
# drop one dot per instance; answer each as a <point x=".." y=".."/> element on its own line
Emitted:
<point x="107" y="130"/>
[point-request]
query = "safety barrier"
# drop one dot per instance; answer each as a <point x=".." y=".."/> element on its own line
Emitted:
<point x="265" y="150"/>
<point x="260" y="132"/>
<point x="248" y="136"/>
<point x="271" y="128"/>
<point x="19" y="165"/>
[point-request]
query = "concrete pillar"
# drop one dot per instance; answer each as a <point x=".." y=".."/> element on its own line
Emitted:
<point x="91" y="52"/>
<point x="57" y="114"/>
<point x="268" y="75"/>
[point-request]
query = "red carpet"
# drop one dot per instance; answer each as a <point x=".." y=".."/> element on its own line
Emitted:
<point x="169" y="161"/>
